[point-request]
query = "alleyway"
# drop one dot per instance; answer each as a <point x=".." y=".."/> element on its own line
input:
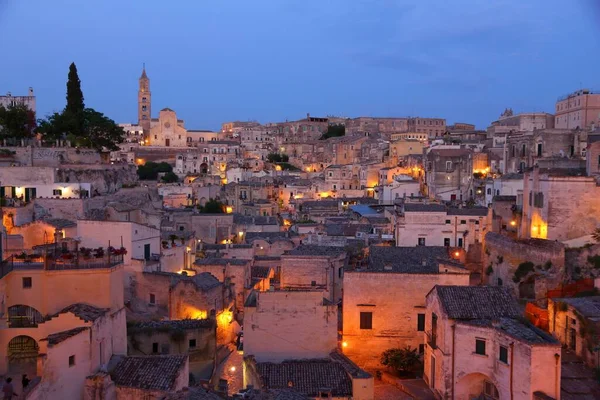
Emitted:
<point x="231" y="369"/>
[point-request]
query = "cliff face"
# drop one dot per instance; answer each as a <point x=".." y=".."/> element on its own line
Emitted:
<point x="105" y="179"/>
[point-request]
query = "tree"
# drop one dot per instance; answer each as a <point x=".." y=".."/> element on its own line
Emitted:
<point x="335" y="130"/>
<point x="16" y="122"/>
<point x="212" y="206"/>
<point x="596" y="235"/>
<point x="404" y="360"/>
<point x="100" y="132"/>
<point x="75" y="106"/>
<point x="150" y="170"/>
<point x="170" y="177"/>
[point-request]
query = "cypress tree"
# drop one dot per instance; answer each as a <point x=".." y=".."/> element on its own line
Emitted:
<point x="74" y="94"/>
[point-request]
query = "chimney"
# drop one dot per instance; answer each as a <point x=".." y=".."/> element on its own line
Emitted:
<point x="30" y="91"/>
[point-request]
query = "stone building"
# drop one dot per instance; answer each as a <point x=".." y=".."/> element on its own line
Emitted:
<point x="478" y="345"/>
<point x="333" y="377"/>
<point x="438" y="225"/>
<point x="593" y="154"/>
<point x="289" y="324"/>
<point x="10" y="100"/>
<point x="144" y="102"/>
<point x="575" y="323"/>
<point x="314" y="267"/>
<point x="59" y="340"/>
<point x="449" y="173"/>
<point x="549" y="211"/>
<point x="580" y="109"/>
<point x="211" y="157"/>
<point x="369" y="125"/>
<point x="434" y="127"/>
<point x="167" y="130"/>
<point x="524" y="122"/>
<point x="374" y="320"/>
<point x="301" y="131"/>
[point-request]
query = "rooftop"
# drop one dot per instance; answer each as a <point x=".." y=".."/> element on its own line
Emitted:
<point x="171" y="324"/>
<point x="250" y="220"/>
<point x="314" y="250"/>
<point x="477" y="302"/>
<point x="346" y="229"/>
<point x="260" y="272"/>
<point x="60" y="223"/>
<point x="471" y="211"/>
<point x="518" y="329"/>
<point x="510" y="199"/>
<point x="59" y="337"/>
<point x="423" y="207"/>
<point x="308" y="377"/>
<point x="408" y="260"/>
<point x="149" y="372"/>
<point x="588" y="307"/>
<point x="83" y="311"/>
<point x="220" y="261"/>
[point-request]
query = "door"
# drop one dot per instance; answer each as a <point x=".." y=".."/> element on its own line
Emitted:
<point x="432" y="375"/>
<point x="452" y="197"/>
<point x="167" y="142"/>
<point x="573" y="339"/>
<point x="147" y="251"/>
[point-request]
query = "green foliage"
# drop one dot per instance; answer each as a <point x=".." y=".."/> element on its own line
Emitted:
<point x="75" y="103"/>
<point x="594" y="261"/>
<point x="402" y="360"/>
<point x="522" y="270"/>
<point x="212" y="206"/>
<point x="170" y="177"/>
<point x="277" y="158"/>
<point x="150" y="170"/>
<point x="16" y="122"/>
<point x="285" y="166"/>
<point x="334" y="131"/>
<point x="489" y="270"/>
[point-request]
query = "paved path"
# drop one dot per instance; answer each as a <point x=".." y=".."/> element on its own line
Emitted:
<point x="232" y="370"/>
<point x="385" y="391"/>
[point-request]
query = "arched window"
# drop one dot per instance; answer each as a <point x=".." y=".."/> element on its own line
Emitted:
<point x="20" y="316"/>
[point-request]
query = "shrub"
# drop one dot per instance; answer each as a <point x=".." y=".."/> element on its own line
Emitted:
<point x="402" y="360"/>
<point x="522" y="270"/>
<point x="594" y="261"/>
<point x="489" y="270"/>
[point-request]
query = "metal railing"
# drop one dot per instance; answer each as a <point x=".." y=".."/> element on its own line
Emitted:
<point x="431" y="339"/>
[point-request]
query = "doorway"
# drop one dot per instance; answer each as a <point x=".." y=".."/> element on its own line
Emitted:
<point x="147" y="251"/>
<point x="167" y="142"/>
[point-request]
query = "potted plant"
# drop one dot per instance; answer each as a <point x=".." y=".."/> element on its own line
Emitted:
<point x="99" y="252"/>
<point x="165" y="244"/>
<point x="173" y="238"/>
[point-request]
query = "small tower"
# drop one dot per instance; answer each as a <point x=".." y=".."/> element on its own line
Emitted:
<point x="144" y="102"/>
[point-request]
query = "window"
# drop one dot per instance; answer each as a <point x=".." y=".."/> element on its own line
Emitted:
<point x="448" y="165"/>
<point x="500" y="282"/>
<point x="480" y="347"/>
<point x="489" y="191"/>
<point x="421" y="241"/>
<point x="447" y="242"/>
<point x="313" y="283"/>
<point x="421" y="348"/>
<point x="503" y="355"/>
<point x="27" y="283"/>
<point x="366" y="320"/>
<point x="57" y="192"/>
<point x="71" y="361"/>
<point x="539" y="150"/>
<point x="152" y="298"/>
<point x="463" y="221"/>
<point x="490" y="390"/>
<point x="340" y="272"/>
<point x="154" y="347"/>
<point x="460" y="242"/>
<point x="192" y="343"/>
<point x="448" y="221"/>
<point x="420" y="322"/>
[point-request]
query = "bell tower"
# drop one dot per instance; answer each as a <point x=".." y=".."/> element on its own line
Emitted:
<point x="144" y="101"/>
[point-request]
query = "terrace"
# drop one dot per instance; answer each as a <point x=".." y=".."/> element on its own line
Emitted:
<point x="55" y="258"/>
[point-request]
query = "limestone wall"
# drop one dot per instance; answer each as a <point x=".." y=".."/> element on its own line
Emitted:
<point x="105" y="179"/>
<point x="71" y="209"/>
<point x="54" y="156"/>
<point x="503" y="256"/>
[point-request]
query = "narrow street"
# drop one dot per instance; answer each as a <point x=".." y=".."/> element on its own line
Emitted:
<point x="231" y="370"/>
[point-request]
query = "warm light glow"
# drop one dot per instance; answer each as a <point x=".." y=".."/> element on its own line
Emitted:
<point x="448" y="177"/>
<point x="241" y="234"/>
<point x="188" y="249"/>
<point x="140" y="161"/>
<point x="307" y="169"/>
<point x="278" y="168"/>
<point x="287" y="222"/>
<point x="344" y="344"/>
<point x="232" y="369"/>
<point x="534" y="228"/>
<point x="229" y="209"/>
<point x="224" y="181"/>
<point x="456" y="254"/>
<point x="324" y="194"/>
<point x="513" y="223"/>
<point x="225" y="318"/>
<point x="370" y="189"/>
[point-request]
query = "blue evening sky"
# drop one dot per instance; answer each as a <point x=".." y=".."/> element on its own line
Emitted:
<point x="219" y="60"/>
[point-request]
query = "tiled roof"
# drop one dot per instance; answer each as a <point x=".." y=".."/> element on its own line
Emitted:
<point x="59" y="337"/>
<point x="510" y="199"/>
<point x="319" y="204"/>
<point x="422" y="207"/>
<point x="250" y="220"/>
<point x="84" y="311"/>
<point x="220" y="261"/>
<point x="586" y="306"/>
<point x="171" y="324"/>
<point x="193" y="393"/>
<point x="408" y="260"/>
<point x="205" y="281"/>
<point x="268" y="236"/>
<point x="477" y="302"/>
<point x="374" y="219"/>
<point x="346" y="229"/>
<point x="306" y="376"/>
<point x="472" y="211"/>
<point x="517" y="329"/>
<point x="314" y="250"/>
<point x="149" y="372"/>
<point x="60" y="223"/>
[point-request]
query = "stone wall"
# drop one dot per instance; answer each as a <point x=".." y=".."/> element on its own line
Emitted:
<point x="22" y="176"/>
<point x="581" y="262"/>
<point x="54" y="156"/>
<point x="105" y="179"/>
<point x="540" y="264"/>
<point x="72" y="209"/>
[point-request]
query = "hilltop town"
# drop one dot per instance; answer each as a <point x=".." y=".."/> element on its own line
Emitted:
<point x="363" y="258"/>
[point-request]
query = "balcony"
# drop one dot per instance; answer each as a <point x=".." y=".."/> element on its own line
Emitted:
<point x="431" y="339"/>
